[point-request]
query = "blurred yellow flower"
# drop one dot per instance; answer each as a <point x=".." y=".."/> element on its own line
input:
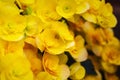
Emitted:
<point x="15" y="67"/>
<point x="40" y="38"/>
<point x="12" y="28"/>
<point x="101" y="14"/>
<point x="46" y="10"/>
<point x="107" y="54"/>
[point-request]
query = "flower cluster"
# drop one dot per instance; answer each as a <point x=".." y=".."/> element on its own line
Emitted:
<point x="38" y="39"/>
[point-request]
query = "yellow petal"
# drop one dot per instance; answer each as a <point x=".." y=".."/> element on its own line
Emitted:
<point x="77" y="71"/>
<point x="9" y="29"/>
<point x="63" y="58"/>
<point x="47" y="13"/>
<point x="50" y="63"/>
<point x="64" y="72"/>
<point x="89" y="17"/>
<point x="82" y="7"/>
<point x="107" y="21"/>
<point x="66" y="8"/>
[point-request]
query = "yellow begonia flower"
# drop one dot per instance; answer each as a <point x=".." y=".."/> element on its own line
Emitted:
<point x="18" y="69"/>
<point x="8" y="9"/>
<point x="32" y="55"/>
<point x="77" y="71"/>
<point x="33" y="26"/>
<point x="108" y="67"/>
<point x="46" y="10"/>
<point x="51" y="63"/>
<point x="44" y="76"/>
<point x="79" y="52"/>
<point x="111" y="54"/>
<point x="12" y="28"/>
<point x="101" y="14"/>
<point x="55" y="39"/>
<point x="66" y="8"/>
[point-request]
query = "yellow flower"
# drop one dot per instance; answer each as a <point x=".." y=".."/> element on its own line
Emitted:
<point x="107" y="54"/>
<point x="78" y="52"/>
<point x="66" y="8"/>
<point x="51" y="64"/>
<point x="46" y="10"/>
<point x="77" y="71"/>
<point x="12" y="28"/>
<point x="101" y="14"/>
<point x="18" y="69"/>
<point x="55" y="39"/>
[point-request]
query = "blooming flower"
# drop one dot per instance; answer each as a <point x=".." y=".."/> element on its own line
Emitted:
<point x="98" y="15"/>
<point x="54" y="41"/>
<point x="17" y="69"/>
<point x="9" y="29"/>
<point x="47" y="13"/>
